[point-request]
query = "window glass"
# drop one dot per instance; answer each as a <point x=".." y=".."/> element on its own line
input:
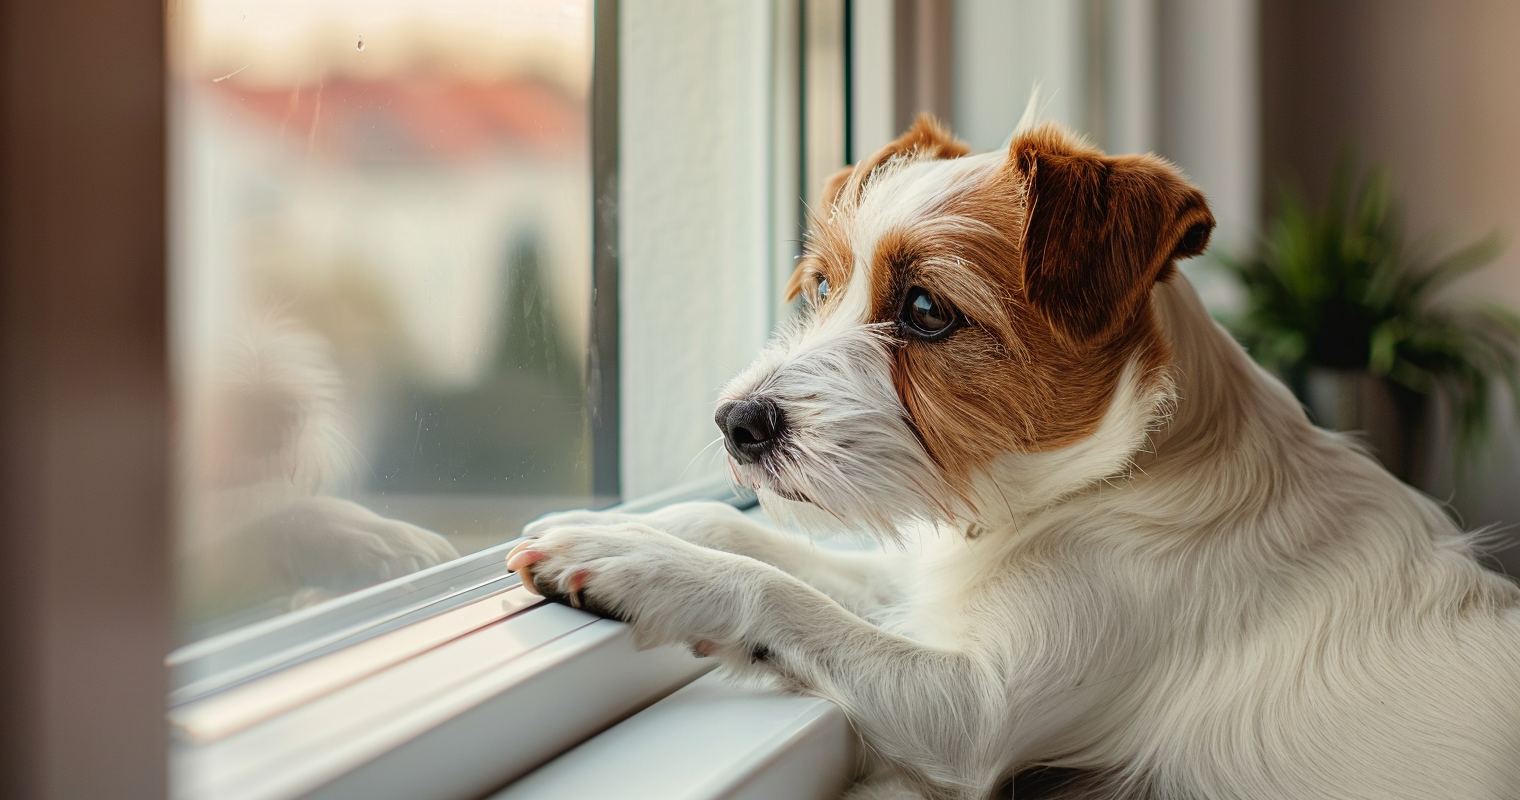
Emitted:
<point x="380" y="288"/>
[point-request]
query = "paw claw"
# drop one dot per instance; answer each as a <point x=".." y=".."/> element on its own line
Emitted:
<point x="574" y="585"/>
<point x="527" y="581"/>
<point x="520" y="558"/>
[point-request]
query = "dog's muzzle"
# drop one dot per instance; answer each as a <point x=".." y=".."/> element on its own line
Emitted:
<point x="750" y="428"/>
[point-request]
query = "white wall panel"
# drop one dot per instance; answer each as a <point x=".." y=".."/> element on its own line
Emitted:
<point x="1002" y="48"/>
<point x="694" y="226"/>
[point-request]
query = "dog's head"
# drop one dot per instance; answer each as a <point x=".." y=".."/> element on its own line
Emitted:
<point x="977" y="332"/>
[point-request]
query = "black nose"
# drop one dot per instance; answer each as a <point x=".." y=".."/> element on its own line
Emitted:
<point x="750" y="427"/>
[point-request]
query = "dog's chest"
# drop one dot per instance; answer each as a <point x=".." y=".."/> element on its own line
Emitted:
<point x="946" y="584"/>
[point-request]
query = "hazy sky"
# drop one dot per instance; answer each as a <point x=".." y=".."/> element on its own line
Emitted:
<point x="294" y="42"/>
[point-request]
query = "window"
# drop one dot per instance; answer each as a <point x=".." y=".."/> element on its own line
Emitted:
<point x="432" y="279"/>
<point x="403" y="260"/>
<point x="382" y="226"/>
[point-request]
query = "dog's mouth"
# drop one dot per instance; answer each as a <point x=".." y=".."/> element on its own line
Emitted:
<point x="759" y="480"/>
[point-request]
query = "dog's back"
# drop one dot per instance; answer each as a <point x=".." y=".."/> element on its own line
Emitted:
<point x="1323" y="629"/>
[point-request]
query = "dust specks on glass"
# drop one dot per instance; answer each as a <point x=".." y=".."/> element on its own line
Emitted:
<point x="380" y="289"/>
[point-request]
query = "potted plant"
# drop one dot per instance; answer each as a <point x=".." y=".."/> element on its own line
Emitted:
<point x="1350" y="314"/>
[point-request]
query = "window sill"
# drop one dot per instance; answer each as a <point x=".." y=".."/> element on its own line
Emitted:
<point x="454" y="722"/>
<point x="456" y="691"/>
<point x="708" y="741"/>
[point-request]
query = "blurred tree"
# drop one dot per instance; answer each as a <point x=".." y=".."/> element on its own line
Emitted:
<point x="522" y="428"/>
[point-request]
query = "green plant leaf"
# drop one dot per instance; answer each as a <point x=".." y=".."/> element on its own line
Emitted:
<point x="1341" y="286"/>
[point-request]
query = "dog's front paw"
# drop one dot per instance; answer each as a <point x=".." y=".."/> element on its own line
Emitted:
<point x="706" y="523"/>
<point x="630" y="572"/>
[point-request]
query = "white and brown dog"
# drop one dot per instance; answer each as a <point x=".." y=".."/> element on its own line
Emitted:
<point x="1153" y="577"/>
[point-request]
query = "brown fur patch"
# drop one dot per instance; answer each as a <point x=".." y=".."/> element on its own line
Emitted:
<point x="828" y="248"/>
<point x="1051" y="258"/>
<point x="1100" y="230"/>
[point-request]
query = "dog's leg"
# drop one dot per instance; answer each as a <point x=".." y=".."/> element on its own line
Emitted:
<point x="926" y="708"/>
<point x="861" y="581"/>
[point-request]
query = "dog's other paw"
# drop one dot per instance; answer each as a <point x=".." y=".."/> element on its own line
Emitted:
<point x="629" y="572"/>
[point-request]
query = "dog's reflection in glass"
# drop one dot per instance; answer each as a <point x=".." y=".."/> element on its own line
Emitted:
<point x="263" y="458"/>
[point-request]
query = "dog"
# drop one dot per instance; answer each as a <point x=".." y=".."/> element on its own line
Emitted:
<point x="1136" y="569"/>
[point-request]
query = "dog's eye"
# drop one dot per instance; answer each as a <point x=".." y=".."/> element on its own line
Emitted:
<point x="927" y="317"/>
<point x="822" y="290"/>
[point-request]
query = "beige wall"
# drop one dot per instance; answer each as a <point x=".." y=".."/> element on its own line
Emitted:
<point x="1432" y="89"/>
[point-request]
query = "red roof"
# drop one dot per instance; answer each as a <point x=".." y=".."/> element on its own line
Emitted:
<point x="417" y="118"/>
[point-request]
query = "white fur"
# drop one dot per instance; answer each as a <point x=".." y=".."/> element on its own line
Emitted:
<point x="906" y="192"/>
<point x="1209" y="598"/>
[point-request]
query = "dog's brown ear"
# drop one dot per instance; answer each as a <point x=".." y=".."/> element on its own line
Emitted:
<point x="926" y="138"/>
<point x="1099" y="231"/>
<point x="834" y="185"/>
<point x="929" y="137"/>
